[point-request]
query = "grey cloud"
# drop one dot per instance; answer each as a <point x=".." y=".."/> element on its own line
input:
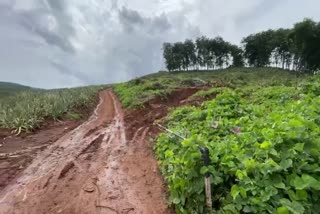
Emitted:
<point x="132" y="20"/>
<point x="116" y="56"/>
<point x="58" y="9"/>
<point x="262" y="8"/>
<point x="69" y="72"/>
<point x="162" y="23"/>
<point x="114" y="4"/>
<point x="33" y="22"/>
<point x="37" y="21"/>
<point x="138" y="49"/>
<point x="29" y="43"/>
<point x="59" y="5"/>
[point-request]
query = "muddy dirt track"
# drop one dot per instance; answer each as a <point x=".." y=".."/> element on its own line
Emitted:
<point x="95" y="168"/>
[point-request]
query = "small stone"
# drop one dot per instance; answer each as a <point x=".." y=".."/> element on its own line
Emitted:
<point x="127" y="210"/>
<point x="89" y="188"/>
<point x="236" y="130"/>
<point x="214" y="124"/>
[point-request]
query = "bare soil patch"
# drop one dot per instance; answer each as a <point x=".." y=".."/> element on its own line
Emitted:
<point x="17" y="152"/>
<point x="105" y="165"/>
<point x="156" y="109"/>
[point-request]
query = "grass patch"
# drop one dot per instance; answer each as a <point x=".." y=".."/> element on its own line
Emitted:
<point x="134" y="93"/>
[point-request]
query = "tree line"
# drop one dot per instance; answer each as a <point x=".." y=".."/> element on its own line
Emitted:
<point x="297" y="48"/>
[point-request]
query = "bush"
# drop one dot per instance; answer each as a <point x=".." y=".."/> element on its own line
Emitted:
<point x="264" y="150"/>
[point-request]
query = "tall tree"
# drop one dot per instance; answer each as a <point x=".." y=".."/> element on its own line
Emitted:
<point x="258" y="48"/>
<point x="178" y="55"/>
<point x="237" y="56"/>
<point x="221" y="52"/>
<point x="190" y="58"/>
<point x="169" y="56"/>
<point x="306" y="37"/>
<point x="283" y="48"/>
<point x="297" y="48"/>
<point x="202" y="51"/>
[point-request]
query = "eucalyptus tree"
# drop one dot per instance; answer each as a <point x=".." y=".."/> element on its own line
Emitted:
<point x="190" y="58"/>
<point x="306" y="38"/>
<point x="202" y="52"/>
<point x="169" y="56"/>
<point x="258" y="48"/>
<point x="297" y="48"/>
<point x="237" y="56"/>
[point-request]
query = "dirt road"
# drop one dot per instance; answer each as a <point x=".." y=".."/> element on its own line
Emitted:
<point x="91" y="169"/>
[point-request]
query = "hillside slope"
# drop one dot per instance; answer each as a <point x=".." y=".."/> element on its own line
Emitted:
<point x="8" y="88"/>
<point x="135" y="92"/>
<point x="261" y="127"/>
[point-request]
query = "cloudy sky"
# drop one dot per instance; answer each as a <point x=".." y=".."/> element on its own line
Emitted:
<point x="66" y="43"/>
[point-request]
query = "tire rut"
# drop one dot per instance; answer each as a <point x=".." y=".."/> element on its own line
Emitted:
<point x="92" y="169"/>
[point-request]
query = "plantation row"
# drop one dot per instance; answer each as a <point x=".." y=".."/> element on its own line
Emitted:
<point x="27" y="110"/>
<point x="297" y="49"/>
<point x="264" y="145"/>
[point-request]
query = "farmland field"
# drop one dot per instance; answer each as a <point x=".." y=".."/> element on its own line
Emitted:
<point x="261" y="126"/>
<point x="264" y="149"/>
<point x="199" y="107"/>
<point x="27" y="110"/>
<point x="262" y="132"/>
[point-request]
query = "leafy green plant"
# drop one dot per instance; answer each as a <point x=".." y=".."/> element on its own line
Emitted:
<point x="135" y="93"/>
<point x="264" y="148"/>
<point x="209" y="93"/>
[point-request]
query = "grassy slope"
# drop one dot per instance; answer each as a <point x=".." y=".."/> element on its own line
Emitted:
<point x="7" y="88"/>
<point x="262" y="130"/>
<point x="135" y="92"/>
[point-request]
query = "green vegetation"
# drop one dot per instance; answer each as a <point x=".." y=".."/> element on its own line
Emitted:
<point x="135" y="92"/>
<point x="264" y="143"/>
<point x="262" y="131"/>
<point x="209" y="93"/>
<point x="7" y="89"/>
<point x="261" y="126"/>
<point x="297" y="49"/>
<point x="27" y="110"/>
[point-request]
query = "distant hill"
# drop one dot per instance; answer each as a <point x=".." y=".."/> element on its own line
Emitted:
<point x="7" y="88"/>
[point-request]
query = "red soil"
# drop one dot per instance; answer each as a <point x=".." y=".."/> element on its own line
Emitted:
<point x="156" y="109"/>
<point x="17" y="152"/>
<point x="105" y="165"/>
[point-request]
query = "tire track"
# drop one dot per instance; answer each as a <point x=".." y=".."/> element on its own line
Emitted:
<point x="92" y="169"/>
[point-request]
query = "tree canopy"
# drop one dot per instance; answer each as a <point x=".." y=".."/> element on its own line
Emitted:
<point x="204" y="53"/>
<point x="296" y="49"/>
